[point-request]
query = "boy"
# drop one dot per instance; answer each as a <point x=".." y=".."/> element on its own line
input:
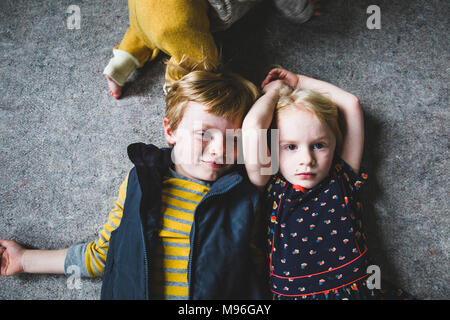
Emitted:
<point x="186" y="224"/>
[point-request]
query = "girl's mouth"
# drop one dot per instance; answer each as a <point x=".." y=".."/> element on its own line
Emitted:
<point x="306" y="175"/>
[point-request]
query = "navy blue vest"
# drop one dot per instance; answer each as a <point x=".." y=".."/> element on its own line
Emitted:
<point x="227" y="259"/>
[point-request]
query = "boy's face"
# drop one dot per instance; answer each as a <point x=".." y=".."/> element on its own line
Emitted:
<point x="306" y="147"/>
<point x="200" y="143"/>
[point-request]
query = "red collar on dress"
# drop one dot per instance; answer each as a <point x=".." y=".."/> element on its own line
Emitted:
<point x="300" y="188"/>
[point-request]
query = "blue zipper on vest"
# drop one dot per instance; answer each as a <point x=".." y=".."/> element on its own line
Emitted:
<point x="191" y="250"/>
<point x="145" y="262"/>
<point x="192" y="233"/>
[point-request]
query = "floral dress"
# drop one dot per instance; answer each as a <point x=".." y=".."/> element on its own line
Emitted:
<point x="317" y="247"/>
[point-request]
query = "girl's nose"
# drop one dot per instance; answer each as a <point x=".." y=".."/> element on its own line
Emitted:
<point x="306" y="158"/>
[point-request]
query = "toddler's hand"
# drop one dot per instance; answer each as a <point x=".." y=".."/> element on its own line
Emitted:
<point x="11" y="254"/>
<point x="287" y="77"/>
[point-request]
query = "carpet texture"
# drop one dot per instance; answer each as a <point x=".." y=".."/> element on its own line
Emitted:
<point x="64" y="138"/>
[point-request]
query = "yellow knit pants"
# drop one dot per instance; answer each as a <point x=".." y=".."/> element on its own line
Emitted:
<point x="176" y="27"/>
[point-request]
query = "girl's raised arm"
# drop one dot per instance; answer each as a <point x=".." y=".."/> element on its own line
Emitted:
<point x="254" y="135"/>
<point x="350" y="108"/>
<point x="348" y="104"/>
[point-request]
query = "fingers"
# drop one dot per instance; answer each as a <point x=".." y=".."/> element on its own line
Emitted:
<point x="6" y="243"/>
<point x="3" y="261"/>
<point x="3" y="257"/>
<point x="274" y="74"/>
<point x="265" y="82"/>
<point x="11" y="257"/>
<point x="277" y="72"/>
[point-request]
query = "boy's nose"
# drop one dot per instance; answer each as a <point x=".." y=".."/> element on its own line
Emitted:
<point x="215" y="148"/>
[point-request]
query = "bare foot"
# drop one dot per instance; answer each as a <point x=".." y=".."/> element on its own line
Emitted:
<point x="114" y="89"/>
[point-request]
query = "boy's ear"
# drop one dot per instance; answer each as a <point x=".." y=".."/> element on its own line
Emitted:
<point x="168" y="133"/>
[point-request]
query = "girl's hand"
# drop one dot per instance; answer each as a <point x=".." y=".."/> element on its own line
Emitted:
<point x="11" y="254"/>
<point x="287" y="77"/>
<point x="273" y="86"/>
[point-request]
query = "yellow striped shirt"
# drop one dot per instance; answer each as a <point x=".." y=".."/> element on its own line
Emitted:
<point x="179" y="198"/>
<point x="168" y="277"/>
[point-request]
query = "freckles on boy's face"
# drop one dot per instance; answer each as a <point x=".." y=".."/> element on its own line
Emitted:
<point x="200" y="144"/>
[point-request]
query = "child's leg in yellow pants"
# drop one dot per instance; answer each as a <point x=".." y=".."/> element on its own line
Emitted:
<point x="130" y="54"/>
<point x="133" y="44"/>
<point x="177" y="27"/>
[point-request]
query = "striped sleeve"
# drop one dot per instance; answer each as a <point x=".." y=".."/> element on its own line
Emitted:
<point x="90" y="257"/>
<point x="96" y="251"/>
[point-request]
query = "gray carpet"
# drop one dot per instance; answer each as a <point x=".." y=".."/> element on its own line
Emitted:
<point x="64" y="138"/>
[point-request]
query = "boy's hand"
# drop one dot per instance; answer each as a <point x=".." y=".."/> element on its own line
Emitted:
<point x="287" y="77"/>
<point x="11" y="254"/>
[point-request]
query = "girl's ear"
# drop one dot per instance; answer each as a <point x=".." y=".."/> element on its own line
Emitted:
<point x="168" y="133"/>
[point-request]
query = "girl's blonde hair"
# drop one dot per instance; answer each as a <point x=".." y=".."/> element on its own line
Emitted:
<point x="227" y="94"/>
<point x="318" y="104"/>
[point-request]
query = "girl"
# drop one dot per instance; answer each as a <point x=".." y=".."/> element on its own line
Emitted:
<point x="316" y="241"/>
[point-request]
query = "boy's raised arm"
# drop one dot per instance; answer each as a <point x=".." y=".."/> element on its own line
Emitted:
<point x="254" y="133"/>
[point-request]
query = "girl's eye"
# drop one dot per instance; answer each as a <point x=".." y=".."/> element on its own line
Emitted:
<point x="291" y="147"/>
<point x="317" y="146"/>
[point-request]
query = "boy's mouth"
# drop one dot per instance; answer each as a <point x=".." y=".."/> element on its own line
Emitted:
<point x="213" y="164"/>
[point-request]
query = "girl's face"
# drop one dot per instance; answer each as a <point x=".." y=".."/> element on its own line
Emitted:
<point x="306" y="147"/>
